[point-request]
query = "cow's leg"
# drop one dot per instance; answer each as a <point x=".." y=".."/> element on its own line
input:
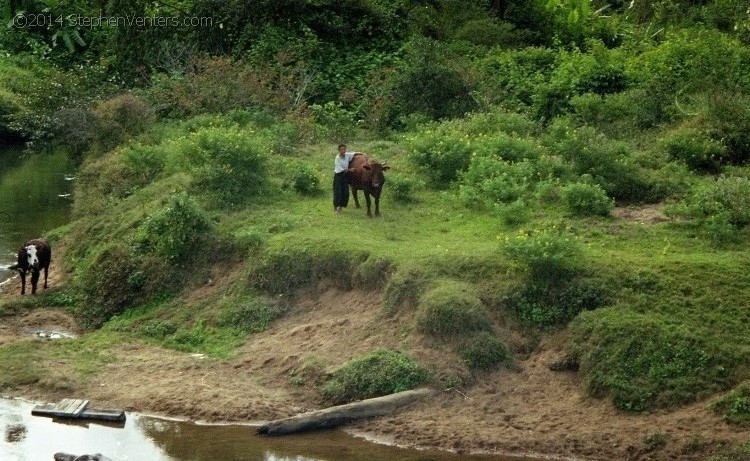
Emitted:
<point x="23" y="283"/>
<point x="356" y="198"/>
<point x="367" y="199"/>
<point x="377" y="204"/>
<point x="34" y="281"/>
<point x="45" y="276"/>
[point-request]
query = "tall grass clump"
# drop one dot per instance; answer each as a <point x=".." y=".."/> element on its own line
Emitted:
<point x="378" y="373"/>
<point x="451" y="308"/>
<point x="115" y="279"/>
<point x="484" y="351"/>
<point x="281" y="270"/>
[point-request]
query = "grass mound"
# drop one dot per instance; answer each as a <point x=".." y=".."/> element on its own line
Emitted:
<point x="379" y="373"/>
<point x="451" y="308"/>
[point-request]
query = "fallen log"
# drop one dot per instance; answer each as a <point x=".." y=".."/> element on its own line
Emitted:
<point x="342" y="414"/>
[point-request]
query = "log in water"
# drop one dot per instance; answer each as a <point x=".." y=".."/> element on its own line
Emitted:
<point x="342" y="414"/>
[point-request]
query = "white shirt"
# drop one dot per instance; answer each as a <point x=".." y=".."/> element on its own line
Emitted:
<point x="340" y="164"/>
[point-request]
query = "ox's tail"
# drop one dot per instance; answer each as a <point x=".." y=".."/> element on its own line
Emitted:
<point x="13" y="267"/>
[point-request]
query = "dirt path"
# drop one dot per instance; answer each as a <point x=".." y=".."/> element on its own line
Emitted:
<point x="275" y="374"/>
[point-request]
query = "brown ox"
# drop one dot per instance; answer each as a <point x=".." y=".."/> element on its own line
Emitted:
<point x="32" y="257"/>
<point x="366" y="175"/>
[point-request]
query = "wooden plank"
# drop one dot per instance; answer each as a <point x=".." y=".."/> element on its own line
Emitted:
<point x="77" y="409"/>
<point x="104" y="415"/>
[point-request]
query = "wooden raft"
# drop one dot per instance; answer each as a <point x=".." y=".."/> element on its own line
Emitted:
<point x="77" y="409"/>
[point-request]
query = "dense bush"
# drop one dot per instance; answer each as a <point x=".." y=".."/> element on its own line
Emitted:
<point x="451" y="308"/>
<point x="608" y="163"/>
<point x="484" y="351"/>
<point x="381" y="372"/>
<point x="440" y="155"/>
<point x="547" y="303"/>
<point x="699" y="152"/>
<point x="491" y="181"/>
<point x="735" y="406"/>
<point x="303" y="178"/>
<point x="176" y="232"/>
<point x="227" y="163"/>
<point x="428" y="86"/>
<point x="727" y="198"/>
<point x="646" y="361"/>
<point x="586" y="199"/>
<point x="120" y="118"/>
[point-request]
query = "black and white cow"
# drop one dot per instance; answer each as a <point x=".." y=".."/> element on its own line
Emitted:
<point x="32" y="257"/>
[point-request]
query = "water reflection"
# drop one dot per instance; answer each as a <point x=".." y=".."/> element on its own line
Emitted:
<point x="29" y="438"/>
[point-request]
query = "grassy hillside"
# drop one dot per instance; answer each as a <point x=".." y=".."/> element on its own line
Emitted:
<point x="547" y="174"/>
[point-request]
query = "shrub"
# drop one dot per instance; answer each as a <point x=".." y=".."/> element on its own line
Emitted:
<point x="492" y="181"/>
<point x="488" y="32"/>
<point x="250" y="239"/>
<point x="485" y="351"/>
<point x="586" y="199"/>
<point x="228" y="164"/>
<point x="451" y="308"/>
<point x="546" y="253"/>
<point x="609" y="163"/>
<point x="337" y="122"/>
<point x="249" y="315"/>
<point x="546" y="303"/>
<point x="379" y="373"/>
<point x="735" y="406"/>
<point x="440" y="155"/>
<point x="401" y="188"/>
<point x="303" y="179"/>
<point x="646" y="361"/>
<point x="726" y="199"/>
<point x="175" y="232"/>
<point x="696" y="150"/>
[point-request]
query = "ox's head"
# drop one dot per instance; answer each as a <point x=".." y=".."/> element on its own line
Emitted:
<point x="376" y="173"/>
<point x="32" y="258"/>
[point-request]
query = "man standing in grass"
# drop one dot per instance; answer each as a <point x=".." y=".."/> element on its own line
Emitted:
<point x="340" y="181"/>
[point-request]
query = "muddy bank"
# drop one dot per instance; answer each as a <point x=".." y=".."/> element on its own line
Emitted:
<point x="528" y="410"/>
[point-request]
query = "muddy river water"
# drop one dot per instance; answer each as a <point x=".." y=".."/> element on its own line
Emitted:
<point x="144" y="438"/>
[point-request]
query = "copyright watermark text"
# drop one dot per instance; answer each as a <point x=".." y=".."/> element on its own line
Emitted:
<point x="34" y="20"/>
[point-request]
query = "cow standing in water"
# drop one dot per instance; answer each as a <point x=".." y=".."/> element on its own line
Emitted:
<point x="366" y="175"/>
<point x="32" y="257"/>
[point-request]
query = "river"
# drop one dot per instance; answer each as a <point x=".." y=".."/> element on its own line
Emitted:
<point x="35" y="197"/>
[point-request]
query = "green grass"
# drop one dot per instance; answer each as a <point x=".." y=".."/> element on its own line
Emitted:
<point x="672" y="331"/>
